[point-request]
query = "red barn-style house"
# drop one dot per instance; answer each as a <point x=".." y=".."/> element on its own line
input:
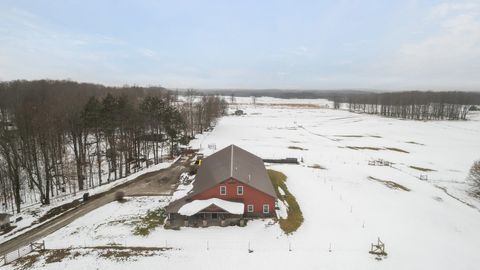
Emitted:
<point x="230" y="185"/>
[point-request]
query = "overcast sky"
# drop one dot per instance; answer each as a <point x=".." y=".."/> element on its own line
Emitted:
<point x="334" y="44"/>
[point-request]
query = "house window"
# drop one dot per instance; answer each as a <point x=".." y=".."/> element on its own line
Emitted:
<point x="239" y="190"/>
<point x="266" y="209"/>
<point x="250" y="208"/>
<point x="223" y="190"/>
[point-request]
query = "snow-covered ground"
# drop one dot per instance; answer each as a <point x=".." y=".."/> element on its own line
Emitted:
<point x="344" y="207"/>
<point x="33" y="213"/>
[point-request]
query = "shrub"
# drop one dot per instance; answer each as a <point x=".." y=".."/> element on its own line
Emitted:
<point x="474" y="176"/>
<point x="120" y="196"/>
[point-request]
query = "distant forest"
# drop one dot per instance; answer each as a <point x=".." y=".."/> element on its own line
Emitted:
<point x="418" y="105"/>
<point x="413" y="105"/>
<point x="60" y="137"/>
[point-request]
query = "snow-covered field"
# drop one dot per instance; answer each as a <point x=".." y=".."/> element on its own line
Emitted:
<point x="344" y="207"/>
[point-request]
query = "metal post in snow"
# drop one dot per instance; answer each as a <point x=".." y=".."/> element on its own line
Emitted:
<point x="207" y="245"/>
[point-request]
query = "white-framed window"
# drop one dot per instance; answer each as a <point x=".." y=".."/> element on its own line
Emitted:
<point x="223" y="190"/>
<point x="250" y="208"/>
<point x="239" y="190"/>
<point x="266" y="208"/>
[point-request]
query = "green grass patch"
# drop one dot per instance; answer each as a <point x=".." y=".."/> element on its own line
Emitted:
<point x="294" y="215"/>
<point x="146" y="224"/>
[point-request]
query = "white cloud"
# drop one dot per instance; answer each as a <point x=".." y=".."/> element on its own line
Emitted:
<point x="447" y="8"/>
<point x="448" y="58"/>
<point x="147" y="52"/>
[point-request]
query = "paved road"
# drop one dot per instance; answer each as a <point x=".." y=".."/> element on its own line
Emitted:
<point x="162" y="182"/>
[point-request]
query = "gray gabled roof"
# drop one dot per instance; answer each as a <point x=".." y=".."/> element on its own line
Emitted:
<point x="230" y="162"/>
<point x="233" y="162"/>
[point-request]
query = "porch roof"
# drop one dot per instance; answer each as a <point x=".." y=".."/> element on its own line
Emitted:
<point x="191" y="208"/>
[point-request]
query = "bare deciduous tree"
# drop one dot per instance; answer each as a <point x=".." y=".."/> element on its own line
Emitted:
<point x="60" y="137"/>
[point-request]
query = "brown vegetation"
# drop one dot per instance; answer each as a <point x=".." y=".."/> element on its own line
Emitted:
<point x="412" y="142"/>
<point x="349" y="136"/>
<point x="118" y="253"/>
<point x="397" y="150"/>
<point x="297" y="148"/>
<point x="375" y="148"/>
<point x="364" y="148"/>
<point x="317" y="166"/>
<point x="421" y="169"/>
<point x="389" y="184"/>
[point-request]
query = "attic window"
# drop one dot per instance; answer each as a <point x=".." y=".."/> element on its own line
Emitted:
<point x="223" y="190"/>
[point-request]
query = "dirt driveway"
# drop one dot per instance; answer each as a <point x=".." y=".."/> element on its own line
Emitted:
<point x="161" y="182"/>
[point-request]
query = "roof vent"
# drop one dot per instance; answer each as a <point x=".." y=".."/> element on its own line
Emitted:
<point x="249" y="177"/>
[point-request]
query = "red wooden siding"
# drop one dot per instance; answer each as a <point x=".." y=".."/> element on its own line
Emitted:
<point x="250" y="196"/>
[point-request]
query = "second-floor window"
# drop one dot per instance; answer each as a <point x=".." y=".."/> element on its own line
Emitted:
<point x="239" y="190"/>
<point x="266" y="209"/>
<point x="223" y="190"/>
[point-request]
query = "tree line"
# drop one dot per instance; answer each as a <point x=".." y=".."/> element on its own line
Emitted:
<point x="61" y="137"/>
<point x="412" y="105"/>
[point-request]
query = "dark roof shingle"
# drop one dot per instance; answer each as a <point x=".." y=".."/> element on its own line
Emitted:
<point x="233" y="162"/>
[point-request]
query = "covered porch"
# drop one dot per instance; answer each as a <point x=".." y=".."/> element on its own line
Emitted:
<point x="204" y="213"/>
<point x="205" y="220"/>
